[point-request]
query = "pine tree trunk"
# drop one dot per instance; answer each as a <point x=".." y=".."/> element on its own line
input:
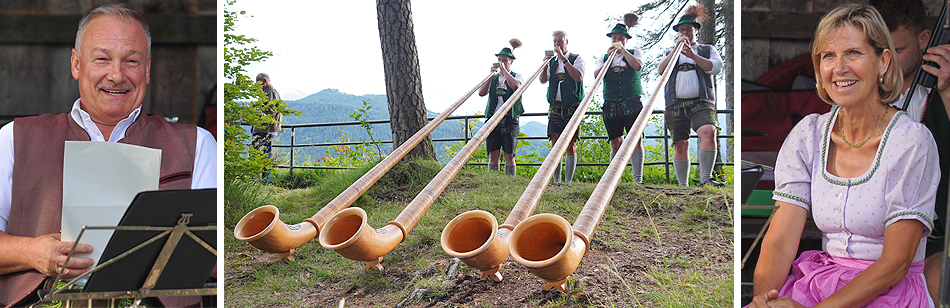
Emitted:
<point x="407" y="111"/>
<point x="728" y="66"/>
<point x="707" y="35"/>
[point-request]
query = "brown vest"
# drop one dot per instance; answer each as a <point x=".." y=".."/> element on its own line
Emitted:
<point x="37" y="195"/>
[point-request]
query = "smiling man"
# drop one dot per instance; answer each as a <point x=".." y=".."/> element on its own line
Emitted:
<point x="111" y="61"/>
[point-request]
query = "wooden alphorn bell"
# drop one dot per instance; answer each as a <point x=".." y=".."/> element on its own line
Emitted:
<point x="546" y="243"/>
<point x="348" y="233"/>
<point x="263" y="229"/>
<point x="475" y="237"/>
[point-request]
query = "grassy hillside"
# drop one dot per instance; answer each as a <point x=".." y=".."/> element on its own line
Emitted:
<point x="657" y="246"/>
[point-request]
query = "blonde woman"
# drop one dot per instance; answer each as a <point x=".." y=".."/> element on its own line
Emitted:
<point x="865" y="171"/>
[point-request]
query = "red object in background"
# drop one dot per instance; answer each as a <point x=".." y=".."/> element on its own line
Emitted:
<point x="776" y="112"/>
<point x="211" y="120"/>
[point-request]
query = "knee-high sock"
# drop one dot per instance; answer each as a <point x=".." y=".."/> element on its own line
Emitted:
<point x="557" y="174"/>
<point x="682" y="171"/>
<point x="636" y="165"/>
<point x="493" y="167"/>
<point x="707" y="160"/>
<point x="612" y="154"/>
<point x="570" y="162"/>
<point x="511" y="170"/>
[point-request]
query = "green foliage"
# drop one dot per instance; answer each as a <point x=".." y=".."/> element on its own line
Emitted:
<point x="361" y="115"/>
<point x="481" y="155"/>
<point x="244" y="102"/>
<point x="241" y="196"/>
<point x="348" y="155"/>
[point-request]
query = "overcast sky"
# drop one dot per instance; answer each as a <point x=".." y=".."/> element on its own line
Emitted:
<point x="335" y="44"/>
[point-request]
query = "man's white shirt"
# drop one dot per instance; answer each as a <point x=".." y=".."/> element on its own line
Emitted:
<point x="917" y="103"/>
<point x="578" y="64"/>
<point x="687" y="85"/>
<point x="503" y="84"/>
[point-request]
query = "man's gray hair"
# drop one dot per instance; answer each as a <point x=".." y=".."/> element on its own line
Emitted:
<point x="118" y="10"/>
<point x="560" y="33"/>
<point x="263" y="76"/>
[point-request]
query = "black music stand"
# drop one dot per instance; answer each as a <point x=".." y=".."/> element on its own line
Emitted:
<point x="160" y="248"/>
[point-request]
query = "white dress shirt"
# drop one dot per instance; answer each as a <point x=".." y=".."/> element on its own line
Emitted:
<point x="503" y="84"/>
<point x="618" y="59"/>
<point x="687" y="85"/>
<point x="917" y="103"/>
<point x="578" y="64"/>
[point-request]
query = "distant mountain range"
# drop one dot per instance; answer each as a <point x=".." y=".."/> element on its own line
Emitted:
<point x="331" y="105"/>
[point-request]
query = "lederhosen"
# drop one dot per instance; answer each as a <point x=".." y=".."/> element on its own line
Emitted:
<point x="505" y="135"/>
<point x="678" y="109"/>
<point x="622" y="92"/>
<point x="37" y="188"/>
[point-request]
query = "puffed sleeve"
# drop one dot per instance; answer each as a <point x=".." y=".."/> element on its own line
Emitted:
<point x="913" y="174"/>
<point x="793" y="168"/>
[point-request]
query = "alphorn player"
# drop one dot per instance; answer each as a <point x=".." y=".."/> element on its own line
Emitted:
<point x="622" y="92"/>
<point x="505" y="136"/>
<point x="905" y="21"/>
<point x="111" y="60"/>
<point x="565" y="93"/>
<point x="691" y="98"/>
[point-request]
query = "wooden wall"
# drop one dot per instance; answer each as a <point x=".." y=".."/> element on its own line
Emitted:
<point x="776" y="30"/>
<point x="36" y="37"/>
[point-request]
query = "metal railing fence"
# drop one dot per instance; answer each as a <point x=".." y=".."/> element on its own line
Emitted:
<point x="467" y="134"/>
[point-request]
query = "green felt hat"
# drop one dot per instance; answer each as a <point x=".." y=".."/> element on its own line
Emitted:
<point x="687" y="19"/>
<point x="620" y="28"/>
<point x="506" y="51"/>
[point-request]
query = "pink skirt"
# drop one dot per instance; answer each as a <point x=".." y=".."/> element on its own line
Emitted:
<point x="817" y="275"/>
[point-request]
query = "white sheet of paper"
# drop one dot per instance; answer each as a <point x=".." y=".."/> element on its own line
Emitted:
<point x="100" y="179"/>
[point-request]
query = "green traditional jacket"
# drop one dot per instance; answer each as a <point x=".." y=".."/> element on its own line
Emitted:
<point x="494" y="91"/>
<point x="571" y="91"/>
<point x="621" y="85"/>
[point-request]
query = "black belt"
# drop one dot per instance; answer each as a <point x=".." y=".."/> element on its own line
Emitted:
<point x="686" y="67"/>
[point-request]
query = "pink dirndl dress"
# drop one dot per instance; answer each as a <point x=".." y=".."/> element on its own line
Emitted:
<point x="817" y="275"/>
<point x="853" y="213"/>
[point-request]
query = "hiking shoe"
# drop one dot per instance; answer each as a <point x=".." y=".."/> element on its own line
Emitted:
<point x="713" y="183"/>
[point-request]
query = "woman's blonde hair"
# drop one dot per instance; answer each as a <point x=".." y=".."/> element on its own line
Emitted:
<point x="867" y="19"/>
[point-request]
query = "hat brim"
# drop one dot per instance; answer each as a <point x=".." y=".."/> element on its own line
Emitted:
<point x="695" y="25"/>
<point x="627" y="34"/>
<point x="512" y="56"/>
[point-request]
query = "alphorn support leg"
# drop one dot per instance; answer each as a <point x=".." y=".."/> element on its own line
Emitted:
<point x="559" y="285"/>
<point x="492" y="273"/>
<point x="289" y="255"/>
<point x="375" y="264"/>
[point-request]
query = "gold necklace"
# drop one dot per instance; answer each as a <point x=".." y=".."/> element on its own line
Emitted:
<point x="841" y="131"/>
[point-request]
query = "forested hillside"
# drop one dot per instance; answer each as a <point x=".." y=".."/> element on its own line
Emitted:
<point x="331" y="105"/>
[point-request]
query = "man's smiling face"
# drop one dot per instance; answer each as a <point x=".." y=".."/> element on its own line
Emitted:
<point x="112" y="67"/>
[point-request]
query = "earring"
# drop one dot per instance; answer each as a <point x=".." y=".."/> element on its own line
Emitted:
<point x="880" y="79"/>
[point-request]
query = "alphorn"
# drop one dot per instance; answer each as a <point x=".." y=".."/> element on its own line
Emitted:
<point x="475" y="237"/>
<point x="546" y="243"/>
<point x="263" y="229"/>
<point x="348" y="232"/>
